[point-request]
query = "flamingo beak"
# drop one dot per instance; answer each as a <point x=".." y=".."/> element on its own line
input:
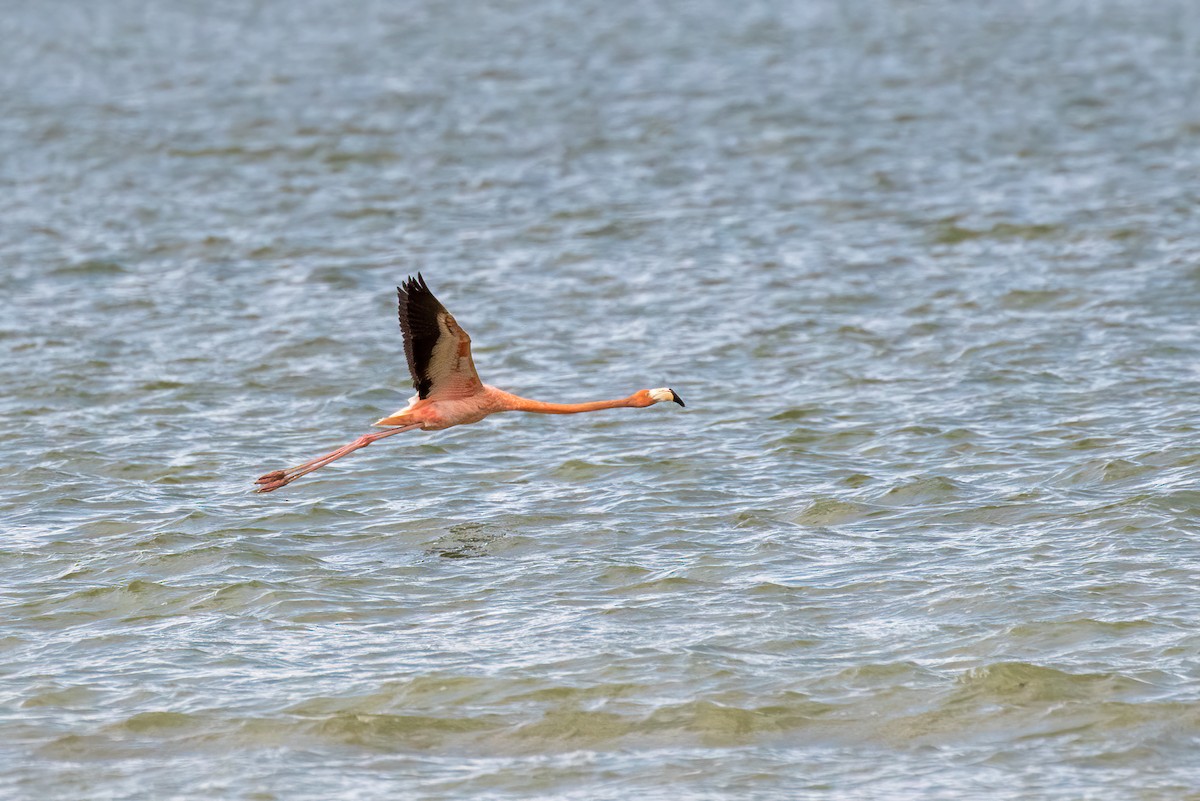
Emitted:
<point x="675" y="397"/>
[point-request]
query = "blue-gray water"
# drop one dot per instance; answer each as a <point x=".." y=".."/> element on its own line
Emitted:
<point x="926" y="273"/>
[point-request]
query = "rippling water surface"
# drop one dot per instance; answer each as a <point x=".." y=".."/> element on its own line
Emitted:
<point x="926" y="273"/>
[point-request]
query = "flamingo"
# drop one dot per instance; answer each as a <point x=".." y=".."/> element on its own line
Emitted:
<point x="449" y="392"/>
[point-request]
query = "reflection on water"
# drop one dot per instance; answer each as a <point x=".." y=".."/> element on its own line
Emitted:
<point x="924" y="272"/>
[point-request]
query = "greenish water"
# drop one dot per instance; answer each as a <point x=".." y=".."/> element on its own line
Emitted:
<point x="926" y="273"/>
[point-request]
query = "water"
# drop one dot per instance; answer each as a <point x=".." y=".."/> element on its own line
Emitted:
<point x="926" y="274"/>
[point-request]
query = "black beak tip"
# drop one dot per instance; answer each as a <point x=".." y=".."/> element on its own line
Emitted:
<point x="675" y="397"/>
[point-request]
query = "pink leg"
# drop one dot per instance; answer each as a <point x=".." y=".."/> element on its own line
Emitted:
<point x="275" y="475"/>
<point x="281" y="478"/>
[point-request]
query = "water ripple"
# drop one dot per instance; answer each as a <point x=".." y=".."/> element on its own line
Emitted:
<point x="925" y="274"/>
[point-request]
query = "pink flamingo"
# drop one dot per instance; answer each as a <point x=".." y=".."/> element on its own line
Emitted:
<point x="449" y="392"/>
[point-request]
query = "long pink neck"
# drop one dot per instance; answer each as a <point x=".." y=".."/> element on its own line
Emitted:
<point x="519" y="404"/>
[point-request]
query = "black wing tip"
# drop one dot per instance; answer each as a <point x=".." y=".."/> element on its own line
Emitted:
<point x="412" y="285"/>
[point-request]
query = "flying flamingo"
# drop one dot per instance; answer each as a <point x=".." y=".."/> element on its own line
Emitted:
<point x="449" y="392"/>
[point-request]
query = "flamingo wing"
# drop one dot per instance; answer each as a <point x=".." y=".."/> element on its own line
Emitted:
<point x="438" y="350"/>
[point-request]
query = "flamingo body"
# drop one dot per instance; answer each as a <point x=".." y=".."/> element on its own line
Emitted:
<point x="449" y="392"/>
<point x="436" y="414"/>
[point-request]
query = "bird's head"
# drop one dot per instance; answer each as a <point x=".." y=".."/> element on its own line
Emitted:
<point x="659" y="395"/>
